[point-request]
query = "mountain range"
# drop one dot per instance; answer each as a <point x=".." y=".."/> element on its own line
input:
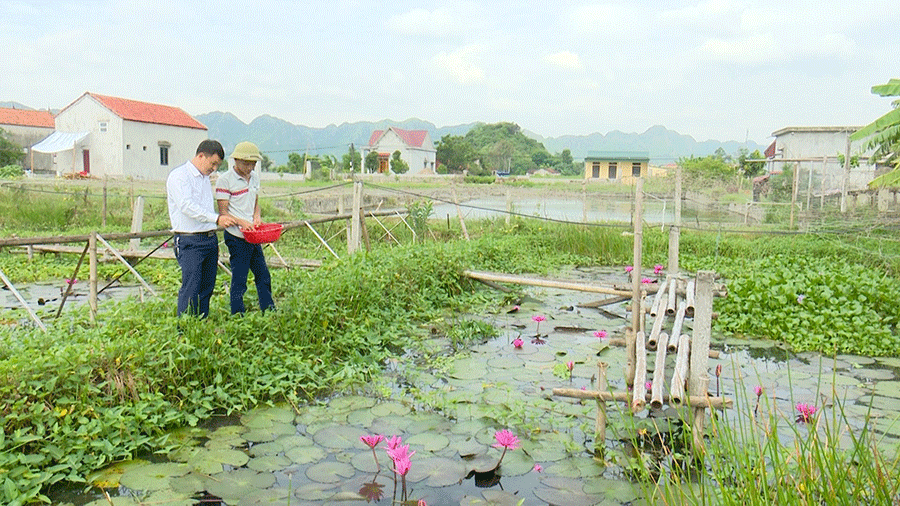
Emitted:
<point x="278" y="138"/>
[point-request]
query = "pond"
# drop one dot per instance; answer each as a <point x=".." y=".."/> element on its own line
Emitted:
<point x="450" y="408"/>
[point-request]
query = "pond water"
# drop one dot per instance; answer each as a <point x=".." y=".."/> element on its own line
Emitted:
<point x="448" y="411"/>
<point x="599" y="209"/>
<point x="45" y="298"/>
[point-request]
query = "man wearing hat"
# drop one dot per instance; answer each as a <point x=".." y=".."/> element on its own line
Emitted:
<point x="237" y="196"/>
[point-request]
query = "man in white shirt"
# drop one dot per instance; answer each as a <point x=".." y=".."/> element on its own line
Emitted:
<point x="237" y="195"/>
<point x="194" y="223"/>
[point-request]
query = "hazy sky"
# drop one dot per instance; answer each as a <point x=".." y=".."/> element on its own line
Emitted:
<point x="718" y="69"/>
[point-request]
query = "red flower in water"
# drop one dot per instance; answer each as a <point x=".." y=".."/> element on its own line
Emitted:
<point x="657" y="269"/>
<point x="758" y="390"/>
<point x="538" y="468"/>
<point x="393" y="442"/>
<point x="538" y="318"/>
<point x="372" y="440"/>
<point x="517" y="342"/>
<point x="806" y="412"/>
<point x="600" y="334"/>
<point x="506" y="439"/>
<point x="646" y="281"/>
<point x="629" y="268"/>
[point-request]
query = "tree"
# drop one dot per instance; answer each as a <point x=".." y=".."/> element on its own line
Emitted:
<point x="352" y="160"/>
<point x="398" y="166"/>
<point x="564" y="163"/>
<point x="10" y="152"/>
<point x="371" y="163"/>
<point x="883" y="134"/>
<point x="455" y="152"/>
<point x="265" y="164"/>
<point x="747" y="168"/>
<point x="708" y="167"/>
<point x="295" y="164"/>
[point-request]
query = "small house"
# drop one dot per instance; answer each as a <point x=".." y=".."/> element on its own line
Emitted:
<point x="25" y="127"/>
<point x="415" y="146"/>
<point x="616" y="165"/>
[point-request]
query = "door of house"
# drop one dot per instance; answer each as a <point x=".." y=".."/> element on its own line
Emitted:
<point x="595" y="170"/>
<point x="612" y="170"/>
<point x="86" y="160"/>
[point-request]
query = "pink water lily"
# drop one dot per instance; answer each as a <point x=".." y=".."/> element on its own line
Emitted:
<point x="629" y="268"/>
<point x="538" y="468"/>
<point x="372" y="441"/>
<point x="71" y="281"/>
<point x="506" y="440"/>
<point x="648" y="385"/>
<point x="393" y="442"/>
<point x="758" y="390"/>
<point x="600" y="334"/>
<point x="806" y="412"/>
<point x="538" y="318"/>
<point x="518" y="342"/>
<point x="657" y="269"/>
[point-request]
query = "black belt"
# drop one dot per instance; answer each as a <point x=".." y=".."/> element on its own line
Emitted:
<point x="208" y="233"/>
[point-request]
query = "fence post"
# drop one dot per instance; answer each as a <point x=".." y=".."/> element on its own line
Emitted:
<point x="137" y="222"/>
<point x="356" y="216"/>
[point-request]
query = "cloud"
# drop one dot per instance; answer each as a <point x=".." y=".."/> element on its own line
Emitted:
<point x="460" y="64"/>
<point x="423" y="22"/>
<point x="564" y="59"/>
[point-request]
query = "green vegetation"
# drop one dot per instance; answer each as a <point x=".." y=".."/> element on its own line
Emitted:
<point x="10" y="152"/>
<point x="883" y="134"/>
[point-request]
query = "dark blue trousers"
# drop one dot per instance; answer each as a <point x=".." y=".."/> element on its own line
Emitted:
<point x="246" y="257"/>
<point x="198" y="256"/>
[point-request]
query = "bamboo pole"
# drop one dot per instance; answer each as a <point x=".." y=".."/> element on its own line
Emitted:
<point x="702" y="333"/>
<point x="671" y="300"/>
<point x="658" y="297"/>
<point x="697" y="428"/>
<point x="637" y="303"/>
<point x="653" y="339"/>
<point x="639" y="390"/>
<point x="127" y="265"/>
<point x="323" y="241"/>
<point x="659" y="375"/>
<point x="689" y="295"/>
<point x="694" y="401"/>
<point x="676" y="328"/>
<point x="354" y="235"/>
<point x="680" y="374"/>
<point x="92" y="300"/>
<point x="462" y="222"/>
<point x="68" y="290"/>
<point x="550" y="283"/>
<point x="22" y="301"/>
<point x="600" y="426"/>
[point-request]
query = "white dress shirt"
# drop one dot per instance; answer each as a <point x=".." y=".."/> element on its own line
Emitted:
<point x="190" y="199"/>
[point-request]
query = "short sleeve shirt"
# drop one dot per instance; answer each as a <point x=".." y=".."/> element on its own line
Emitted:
<point x="241" y="196"/>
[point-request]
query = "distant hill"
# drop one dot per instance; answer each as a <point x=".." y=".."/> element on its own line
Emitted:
<point x="15" y="105"/>
<point x="278" y="138"/>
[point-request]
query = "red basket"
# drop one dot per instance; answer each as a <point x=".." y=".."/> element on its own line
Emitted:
<point x="267" y="232"/>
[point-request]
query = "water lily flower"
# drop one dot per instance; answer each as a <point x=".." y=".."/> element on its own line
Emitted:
<point x="648" y="385"/>
<point x="758" y="390"/>
<point x="402" y="465"/>
<point x="421" y="503"/>
<point x="570" y="366"/>
<point x="507" y="440"/>
<point x="629" y="268"/>
<point x="600" y="334"/>
<point x="517" y="342"/>
<point x="646" y="281"/>
<point x="538" y="468"/>
<point x="372" y="441"/>
<point x="393" y="442"/>
<point x="538" y="318"/>
<point x="806" y="412"/>
<point x="657" y="269"/>
<point x="71" y="281"/>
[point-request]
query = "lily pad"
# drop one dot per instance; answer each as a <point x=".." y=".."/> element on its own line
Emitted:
<point x="269" y="496"/>
<point x="389" y="425"/>
<point x="361" y="418"/>
<point x="270" y="448"/>
<point x="506" y="363"/>
<point x="213" y="461"/>
<point x="468" y="369"/>
<point x="305" y="454"/>
<point x="234" y="486"/>
<point x="437" y="471"/>
<point x="491" y="498"/>
<point x="351" y="403"/>
<point x="620" y="491"/>
<point x="888" y="389"/>
<point x="365" y="462"/>
<point x="153" y="476"/>
<point x="159" y="497"/>
<point x="428" y="442"/>
<point x="390" y="408"/>
<point x="338" y="437"/>
<point x="269" y="463"/>
<point x="330" y="472"/>
<point x="109" y="476"/>
<point x="315" y="491"/>
<point x="564" y="491"/>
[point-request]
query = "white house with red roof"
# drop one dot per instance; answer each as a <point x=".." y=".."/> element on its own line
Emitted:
<point x="122" y="138"/>
<point x="415" y="146"/>
<point x="26" y="127"/>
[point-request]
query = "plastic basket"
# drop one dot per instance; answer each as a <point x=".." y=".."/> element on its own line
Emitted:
<point x="267" y="232"/>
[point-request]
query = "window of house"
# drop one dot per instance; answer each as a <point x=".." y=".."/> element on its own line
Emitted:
<point x="164" y="155"/>
<point x="103" y="126"/>
<point x="613" y="167"/>
<point x="595" y="170"/>
<point x="636" y="169"/>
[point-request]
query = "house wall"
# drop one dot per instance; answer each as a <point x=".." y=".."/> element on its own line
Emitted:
<point x="624" y="169"/>
<point x="141" y="148"/>
<point x="27" y="136"/>
<point x="820" y="143"/>
<point x="127" y="149"/>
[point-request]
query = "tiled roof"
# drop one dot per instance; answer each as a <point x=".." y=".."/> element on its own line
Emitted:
<point x="145" y="112"/>
<point x="412" y="138"/>
<point x="22" y="117"/>
<point x="618" y="155"/>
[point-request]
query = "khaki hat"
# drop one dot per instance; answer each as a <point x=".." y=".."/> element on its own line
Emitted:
<point x="246" y="151"/>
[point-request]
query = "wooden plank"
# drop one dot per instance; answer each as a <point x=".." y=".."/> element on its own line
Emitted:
<point x="550" y="283"/>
